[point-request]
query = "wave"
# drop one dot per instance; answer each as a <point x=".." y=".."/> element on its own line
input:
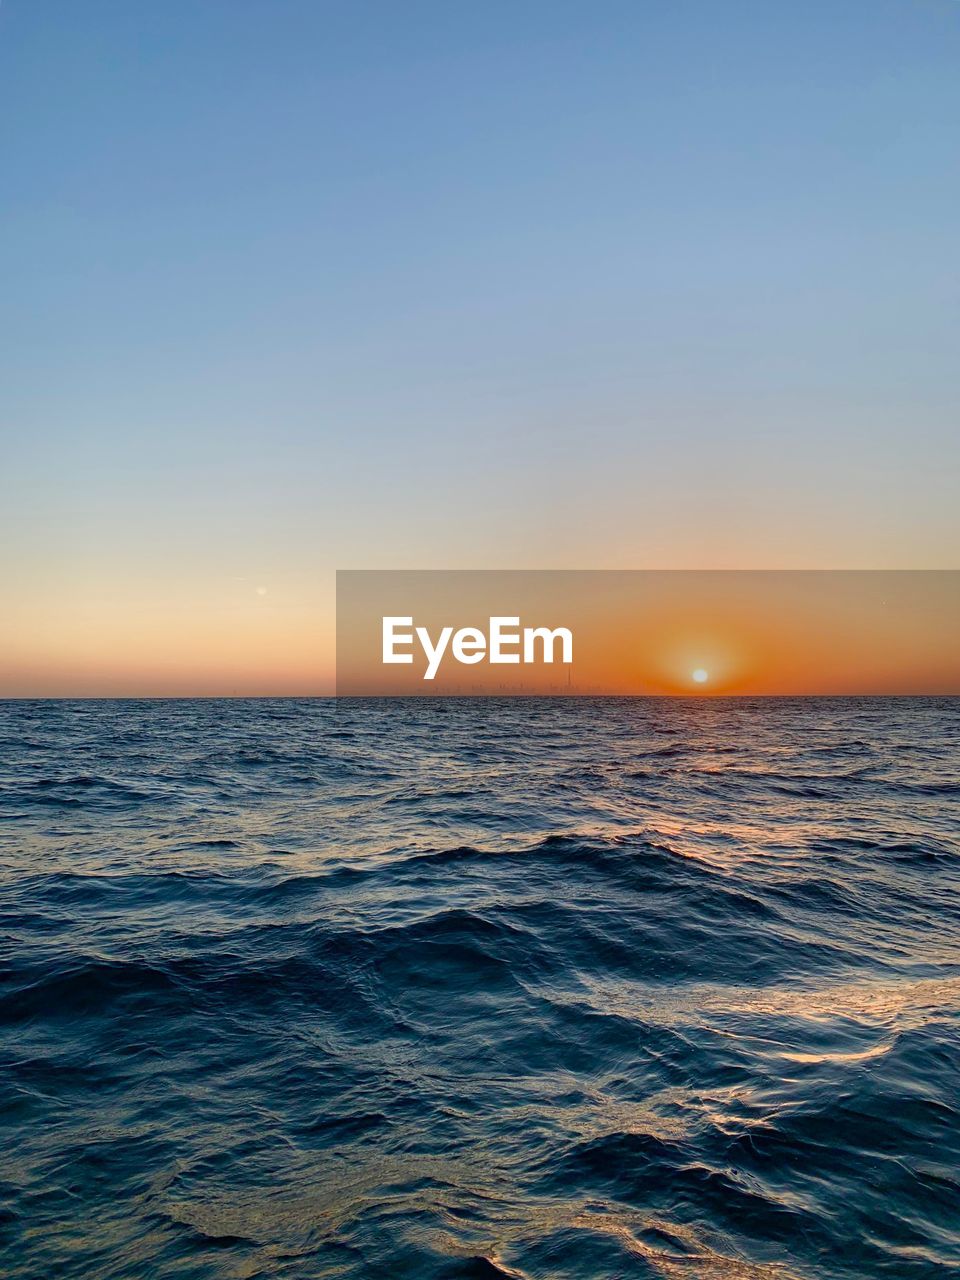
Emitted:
<point x="525" y="990"/>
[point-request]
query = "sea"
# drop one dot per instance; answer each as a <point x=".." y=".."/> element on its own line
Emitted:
<point x="465" y="989"/>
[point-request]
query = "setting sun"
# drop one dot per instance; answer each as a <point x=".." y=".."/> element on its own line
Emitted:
<point x="700" y="676"/>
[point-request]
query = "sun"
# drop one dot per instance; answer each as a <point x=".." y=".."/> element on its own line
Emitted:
<point x="700" y="676"/>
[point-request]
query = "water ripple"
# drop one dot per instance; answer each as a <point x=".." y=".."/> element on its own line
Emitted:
<point x="480" y="989"/>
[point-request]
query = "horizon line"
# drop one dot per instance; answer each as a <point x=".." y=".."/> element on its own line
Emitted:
<point x="457" y="697"/>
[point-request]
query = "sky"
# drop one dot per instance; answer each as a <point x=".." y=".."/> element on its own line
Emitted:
<point x="296" y="286"/>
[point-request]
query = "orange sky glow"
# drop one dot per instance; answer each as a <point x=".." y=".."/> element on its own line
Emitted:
<point x="636" y="632"/>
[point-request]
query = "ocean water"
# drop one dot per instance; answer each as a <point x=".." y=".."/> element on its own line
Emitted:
<point x="467" y="989"/>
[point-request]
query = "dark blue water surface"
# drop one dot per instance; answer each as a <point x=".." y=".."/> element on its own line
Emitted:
<point x="466" y="989"/>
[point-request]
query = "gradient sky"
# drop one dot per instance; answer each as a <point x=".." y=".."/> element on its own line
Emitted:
<point x="289" y="286"/>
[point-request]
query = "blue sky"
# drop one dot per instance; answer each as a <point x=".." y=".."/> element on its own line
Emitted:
<point x="291" y="286"/>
